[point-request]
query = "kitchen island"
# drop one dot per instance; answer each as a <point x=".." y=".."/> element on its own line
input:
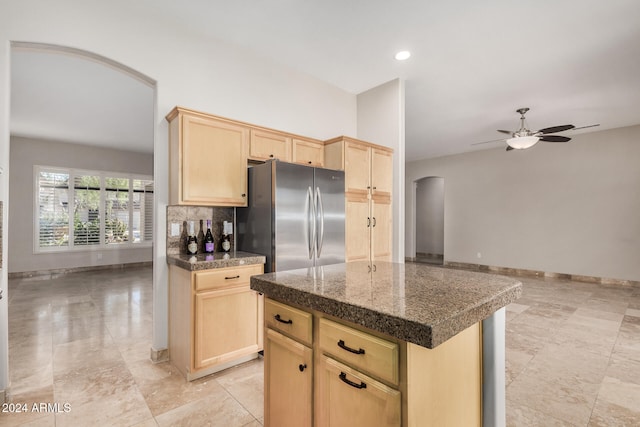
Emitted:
<point x="384" y="344"/>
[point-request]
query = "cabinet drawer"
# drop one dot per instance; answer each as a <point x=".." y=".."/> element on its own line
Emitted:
<point x="363" y="351"/>
<point x="296" y="323"/>
<point x="225" y="277"/>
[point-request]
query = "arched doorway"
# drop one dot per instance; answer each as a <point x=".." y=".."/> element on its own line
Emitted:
<point x="430" y="220"/>
<point x="137" y="221"/>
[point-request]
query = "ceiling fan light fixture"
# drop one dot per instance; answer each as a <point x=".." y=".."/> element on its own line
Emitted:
<point x="522" y="142"/>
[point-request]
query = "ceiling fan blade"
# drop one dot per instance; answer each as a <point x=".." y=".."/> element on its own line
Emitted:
<point x="505" y="131"/>
<point x="554" y="138"/>
<point x="555" y="129"/>
<point x="486" y="142"/>
<point x="584" y="127"/>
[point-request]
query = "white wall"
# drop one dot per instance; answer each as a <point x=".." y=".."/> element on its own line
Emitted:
<point x="27" y="152"/>
<point x="381" y="121"/>
<point x="563" y="208"/>
<point x="188" y="71"/>
<point x="430" y="215"/>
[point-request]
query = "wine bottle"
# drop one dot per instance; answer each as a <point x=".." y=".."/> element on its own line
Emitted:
<point x="226" y="243"/>
<point x="208" y="239"/>
<point x="192" y="240"/>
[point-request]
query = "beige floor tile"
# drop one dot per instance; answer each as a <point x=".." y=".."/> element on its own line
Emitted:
<point x="245" y="383"/>
<point x="573" y="357"/>
<point x="215" y="409"/>
<point x="618" y="404"/>
<point x="23" y="407"/>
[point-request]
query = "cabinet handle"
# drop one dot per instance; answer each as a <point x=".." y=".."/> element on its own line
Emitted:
<point x="374" y="221"/>
<point x="368" y="222"/>
<point x="279" y="319"/>
<point x="342" y="345"/>
<point x="302" y="367"/>
<point x="244" y="195"/>
<point x="271" y="155"/>
<point x="344" y="379"/>
<point x="374" y="187"/>
<point x="309" y="162"/>
<point x="368" y="187"/>
<point x="232" y="277"/>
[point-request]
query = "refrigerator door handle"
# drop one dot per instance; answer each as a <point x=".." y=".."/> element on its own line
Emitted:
<point x="320" y="222"/>
<point x="311" y="221"/>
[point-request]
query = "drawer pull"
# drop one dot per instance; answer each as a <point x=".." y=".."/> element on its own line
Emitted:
<point x="302" y="367"/>
<point x="344" y="379"/>
<point x="279" y="319"/>
<point x="342" y="345"/>
<point x="232" y="277"/>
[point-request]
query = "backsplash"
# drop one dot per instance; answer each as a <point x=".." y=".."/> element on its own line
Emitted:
<point x="182" y="214"/>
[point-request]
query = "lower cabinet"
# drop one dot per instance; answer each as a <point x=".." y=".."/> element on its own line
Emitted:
<point x="328" y="373"/>
<point x="215" y="319"/>
<point x="348" y="397"/>
<point x="288" y="382"/>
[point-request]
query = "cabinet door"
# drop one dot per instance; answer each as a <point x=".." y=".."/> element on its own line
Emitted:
<point x="357" y="167"/>
<point x="288" y="382"/>
<point x="357" y="228"/>
<point x="213" y="169"/>
<point x="381" y="229"/>
<point x="269" y="145"/>
<point x="228" y="324"/>
<point x="308" y="153"/>
<point x="381" y="172"/>
<point x="347" y="397"/>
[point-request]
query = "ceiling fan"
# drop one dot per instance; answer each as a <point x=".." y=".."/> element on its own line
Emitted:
<point x="524" y="138"/>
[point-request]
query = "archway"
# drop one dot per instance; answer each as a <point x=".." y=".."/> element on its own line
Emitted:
<point x="429" y="225"/>
<point x="113" y="67"/>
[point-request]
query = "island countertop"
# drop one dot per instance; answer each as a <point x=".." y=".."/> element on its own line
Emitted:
<point x="417" y="303"/>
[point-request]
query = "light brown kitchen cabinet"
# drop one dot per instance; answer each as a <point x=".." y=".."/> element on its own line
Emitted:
<point x="358" y="377"/>
<point x="368" y="187"/>
<point x="288" y="371"/>
<point x="308" y="152"/>
<point x="267" y="145"/>
<point x="215" y="319"/>
<point x="288" y="366"/>
<point x="347" y="397"/>
<point x="207" y="160"/>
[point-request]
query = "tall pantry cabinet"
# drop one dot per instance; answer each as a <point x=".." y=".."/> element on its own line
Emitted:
<point x="368" y="186"/>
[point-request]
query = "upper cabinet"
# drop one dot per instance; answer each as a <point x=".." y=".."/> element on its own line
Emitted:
<point x="208" y="156"/>
<point x="308" y="152"/>
<point x="207" y="160"/>
<point x="368" y="167"/>
<point x="266" y="145"/>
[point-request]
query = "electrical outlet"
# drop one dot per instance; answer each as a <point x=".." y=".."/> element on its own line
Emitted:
<point x="479" y="255"/>
<point x="175" y="229"/>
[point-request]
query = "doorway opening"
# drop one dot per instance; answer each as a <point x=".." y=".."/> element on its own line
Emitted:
<point x="430" y="220"/>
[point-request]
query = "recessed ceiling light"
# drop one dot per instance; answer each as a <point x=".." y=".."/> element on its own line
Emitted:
<point x="402" y="55"/>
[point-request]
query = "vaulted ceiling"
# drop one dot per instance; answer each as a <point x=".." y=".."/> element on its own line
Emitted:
<point x="472" y="65"/>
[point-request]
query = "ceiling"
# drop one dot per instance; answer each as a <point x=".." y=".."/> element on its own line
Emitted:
<point x="472" y="65"/>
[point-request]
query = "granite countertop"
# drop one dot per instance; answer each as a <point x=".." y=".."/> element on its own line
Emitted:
<point x="417" y="303"/>
<point x="214" y="260"/>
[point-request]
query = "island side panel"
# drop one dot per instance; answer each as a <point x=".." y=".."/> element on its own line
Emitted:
<point x="494" y="368"/>
<point x="444" y="384"/>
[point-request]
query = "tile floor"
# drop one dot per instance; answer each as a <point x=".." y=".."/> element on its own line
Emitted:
<point x="573" y="358"/>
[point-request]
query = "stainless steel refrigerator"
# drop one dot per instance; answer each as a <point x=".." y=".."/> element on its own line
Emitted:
<point x="295" y="216"/>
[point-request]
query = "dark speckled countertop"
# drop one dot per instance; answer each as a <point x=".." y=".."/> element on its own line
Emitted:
<point x="215" y="260"/>
<point x="417" y="303"/>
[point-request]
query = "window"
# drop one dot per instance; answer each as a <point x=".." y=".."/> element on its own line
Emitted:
<point x="100" y="209"/>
